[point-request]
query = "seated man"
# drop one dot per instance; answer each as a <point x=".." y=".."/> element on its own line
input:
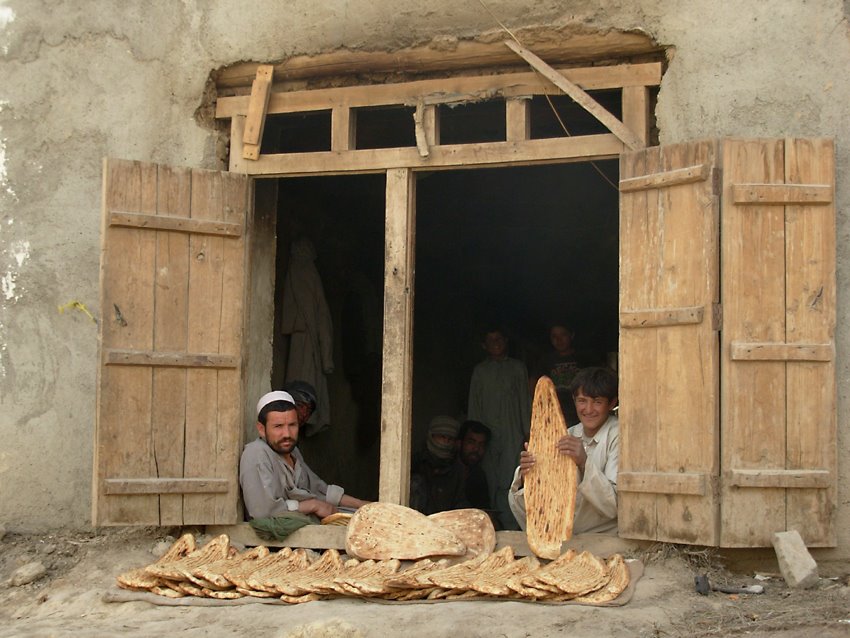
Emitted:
<point x="594" y="445"/>
<point x="273" y="475"/>
<point x="474" y="437"/>
<point x="437" y="477"/>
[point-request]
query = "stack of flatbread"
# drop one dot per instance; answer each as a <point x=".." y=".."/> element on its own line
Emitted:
<point x="217" y="570"/>
<point x="551" y="483"/>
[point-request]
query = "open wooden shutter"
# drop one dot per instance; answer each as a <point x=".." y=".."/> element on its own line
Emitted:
<point x="778" y="354"/>
<point x="168" y="430"/>
<point x="669" y="359"/>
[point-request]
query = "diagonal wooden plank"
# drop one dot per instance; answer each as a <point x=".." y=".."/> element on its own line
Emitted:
<point x="257" y="108"/>
<point x="582" y="98"/>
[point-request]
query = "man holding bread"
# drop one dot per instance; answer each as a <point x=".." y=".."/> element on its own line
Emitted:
<point x="594" y="445"/>
<point x="273" y="475"/>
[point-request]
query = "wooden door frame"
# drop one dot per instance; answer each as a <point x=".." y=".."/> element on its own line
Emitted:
<point x="400" y="166"/>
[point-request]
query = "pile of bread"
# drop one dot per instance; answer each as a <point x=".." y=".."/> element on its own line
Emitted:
<point x="392" y="553"/>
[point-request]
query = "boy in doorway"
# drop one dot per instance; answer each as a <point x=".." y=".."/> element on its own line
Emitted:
<point x="594" y="445"/>
<point x="561" y="365"/>
<point x="499" y="397"/>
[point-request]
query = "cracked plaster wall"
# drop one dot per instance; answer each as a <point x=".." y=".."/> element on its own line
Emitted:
<point x="97" y="78"/>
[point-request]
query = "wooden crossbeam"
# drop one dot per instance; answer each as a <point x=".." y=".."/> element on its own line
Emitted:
<point x="581" y="97"/>
<point x="782" y="194"/>
<point x="257" y="108"/>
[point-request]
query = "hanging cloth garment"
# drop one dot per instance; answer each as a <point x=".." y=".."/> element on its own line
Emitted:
<point x="305" y="316"/>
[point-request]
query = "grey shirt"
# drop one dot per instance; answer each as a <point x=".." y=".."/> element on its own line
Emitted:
<point x="270" y="486"/>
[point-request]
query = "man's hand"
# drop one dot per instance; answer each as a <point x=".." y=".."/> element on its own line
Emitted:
<point x="317" y="507"/>
<point x="350" y="501"/>
<point x="526" y="461"/>
<point x="573" y="447"/>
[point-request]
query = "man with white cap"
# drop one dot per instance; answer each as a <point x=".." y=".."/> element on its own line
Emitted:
<point x="273" y="475"/>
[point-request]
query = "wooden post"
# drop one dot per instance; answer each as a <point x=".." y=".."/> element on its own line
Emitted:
<point x="636" y="111"/>
<point x="396" y="416"/>
<point x="342" y="128"/>
<point x="237" y="131"/>
<point x="518" y="120"/>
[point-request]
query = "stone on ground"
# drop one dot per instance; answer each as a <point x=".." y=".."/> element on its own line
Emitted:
<point x="795" y="562"/>
<point x="27" y="574"/>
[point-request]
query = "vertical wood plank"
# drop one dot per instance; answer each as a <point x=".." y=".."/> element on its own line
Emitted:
<point x="394" y="480"/>
<point x="206" y="270"/>
<point x="638" y="354"/>
<point x="517" y="119"/>
<point x="753" y="394"/>
<point x="171" y="331"/>
<point x="810" y="317"/>
<point x="230" y="399"/>
<point x="124" y="421"/>
<point x="237" y="145"/>
<point x="636" y="111"/>
<point x="342" y="128"/>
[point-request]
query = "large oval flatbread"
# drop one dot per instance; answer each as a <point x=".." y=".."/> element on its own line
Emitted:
<point x="550" y="485"/>
<point x="384" y="530"/>
<point x="472" y="526"/>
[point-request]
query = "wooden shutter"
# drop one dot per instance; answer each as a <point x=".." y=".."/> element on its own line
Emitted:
<point x="669" y="358"/>
<point x="778" y="363"/>
<point x="168" y="431"/>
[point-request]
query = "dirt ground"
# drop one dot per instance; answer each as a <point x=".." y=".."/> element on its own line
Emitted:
<point x="82" y="566"/>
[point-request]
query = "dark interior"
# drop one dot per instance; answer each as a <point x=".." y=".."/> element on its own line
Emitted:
<point x="521" y="247"/>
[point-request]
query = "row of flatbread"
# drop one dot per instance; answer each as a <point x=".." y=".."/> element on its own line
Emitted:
<point x="217" y="570"/>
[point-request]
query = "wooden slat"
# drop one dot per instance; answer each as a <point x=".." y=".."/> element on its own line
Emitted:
<point x="786" y="479"/>
<point x="166" y="486"/>
<point x="237" y="163"/>
<point x="171" y="329"/>
<point x="173" y="223"/>
<point x="170" y="359"/>
<point x="753" y="394"/>
<point x="396" y="412"/>
<point x="810" y="317"/>
<point x="782" y="194"/>
<point x="666" y="179"/>
<point x="580" y="96"/>
<point x="663" y="483"/>
<point x="517" y="119"/>
<point x="452" y="89"/>
<point x="661" y="317"/>
<point x="740" y="351"/>
<point x="257" y="108"/>
<point x="424" y="120"/>
<point x="445" y="156"/>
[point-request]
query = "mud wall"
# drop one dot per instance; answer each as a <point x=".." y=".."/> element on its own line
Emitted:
<point x="97" y="78"/>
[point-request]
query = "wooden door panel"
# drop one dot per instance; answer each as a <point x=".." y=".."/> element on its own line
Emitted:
<point x="173" y="284"/>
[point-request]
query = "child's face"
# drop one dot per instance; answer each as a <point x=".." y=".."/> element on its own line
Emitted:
<point x="495" y="344"/>
<point x="593" y="411"/>
<point x="560" y="338"/>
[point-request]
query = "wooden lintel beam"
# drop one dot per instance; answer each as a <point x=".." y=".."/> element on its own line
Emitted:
<point x="445" y="90"/>
<point x="257" y="108"/>
<point x="581" y="97"/>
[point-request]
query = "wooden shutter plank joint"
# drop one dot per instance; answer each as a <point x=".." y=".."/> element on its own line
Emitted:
<point x="818" y="352"/>
<point x="656" y="317"/>
<point x="174" y="223"/>
<point x="684" y="483"/>
<point x="166" y="486"/>
<point x="787" y="479"/>
<point x="782" y="194"/>
<point x="667" y="179"/>
<point x="170" y="359"/>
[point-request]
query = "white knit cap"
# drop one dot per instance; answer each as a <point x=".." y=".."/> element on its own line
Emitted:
<point x="271" y="397"/>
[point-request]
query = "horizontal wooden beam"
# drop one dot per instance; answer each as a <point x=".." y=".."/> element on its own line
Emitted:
<point x="560" y="45"/>
<point x="176" y="224"/>
<point x="445" y="90"/>
<point x="661" y="317"/>
<point x="786" y="479"/>
<point x="689" y="484"/>
<point x="577" y="148"/>
<point x="579" y="95"/>
<point x="740" y="351"/>
<point x="167" y="486"/>
<point x="782" y="194"/>
<point x="169" y="359"/>
<point x="666" y="179"/>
